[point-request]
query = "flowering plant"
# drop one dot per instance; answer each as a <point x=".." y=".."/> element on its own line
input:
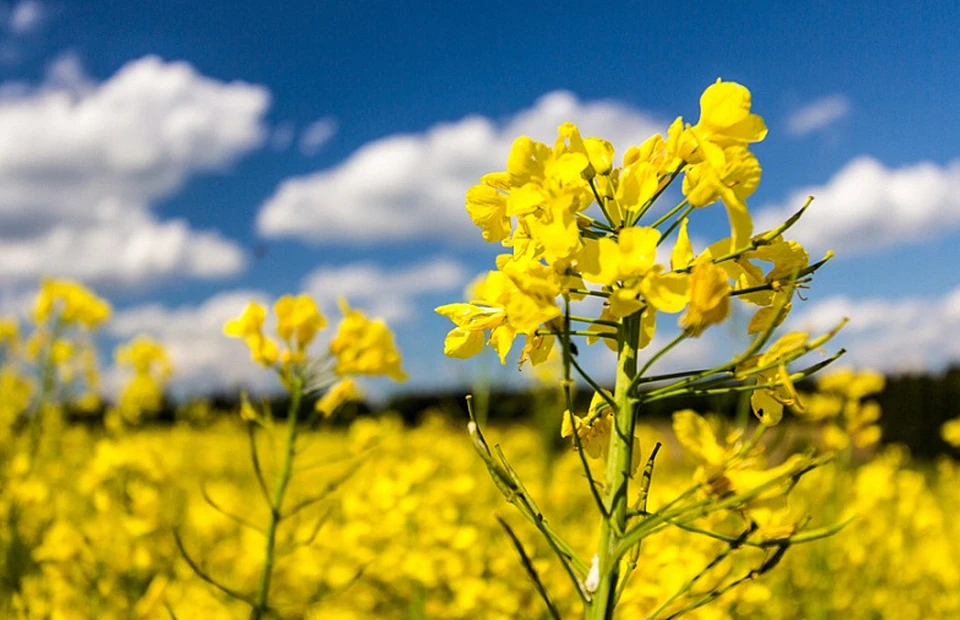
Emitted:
<point x="360" y="347"/>
<point x="577" y="227"/>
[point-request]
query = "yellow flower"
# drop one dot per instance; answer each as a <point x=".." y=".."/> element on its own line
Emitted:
<point x="709" y="298"/>
<point x="142" y="394"/>
<point x="298" y="320"/>
<point x="695" y="435"/>
<point x="632" y="255"/>
<point x="9" y="331"/>
<point x="593" y="429"/>
<point x="145" y="356"/>
<point x="950" y="431"/>
<point x="629" y="265"/>
<point x="488" y="210"/>
<point x="151" y="367"/>
<point x="249" y="323"/>
<point x="341" y="392"/>
<point x="71" y="303"/>
<point x="851" y="384"/>
<point x="517" y="299"/>
<point x="366" y="347"/>
<point x="732" y="180"/>
<point x="461" y="343"/>
<point x="768" y="402"/>
<point x="248" y="326"/>
<point x="725" y="117"/>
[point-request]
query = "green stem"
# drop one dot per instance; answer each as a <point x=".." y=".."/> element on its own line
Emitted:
<point x="276" y="504"/>
<point x="616" y="482"/>
<point x="48" y="385"/>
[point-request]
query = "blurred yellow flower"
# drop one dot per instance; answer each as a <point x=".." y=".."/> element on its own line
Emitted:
<point x="339" y="393"/>
<point x="298" y="320"/>
<point x="950" y="431"/>
<point x="249" y="326"/>
<point x="365" y="347"/>
<point x="71" y="303"/>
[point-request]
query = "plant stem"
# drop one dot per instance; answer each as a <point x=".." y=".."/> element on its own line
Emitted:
<point x="276" y="504"/>
<point x="619" y="459"/>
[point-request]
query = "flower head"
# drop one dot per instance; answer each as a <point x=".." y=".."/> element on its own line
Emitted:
<point x="365" y="347"/>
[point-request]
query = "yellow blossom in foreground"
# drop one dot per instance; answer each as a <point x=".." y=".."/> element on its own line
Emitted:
<point x="709" y="298"/>
<point x="365" y="347"/>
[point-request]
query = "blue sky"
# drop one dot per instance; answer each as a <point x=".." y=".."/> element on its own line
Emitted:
<point x="184" y="157"/>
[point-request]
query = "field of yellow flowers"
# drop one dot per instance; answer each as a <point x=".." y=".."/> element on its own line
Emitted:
<point x="411" y="533"/>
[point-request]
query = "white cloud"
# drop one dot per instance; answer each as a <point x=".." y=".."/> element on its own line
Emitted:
<point x="818" y="115"/>
<point x="203" y="358"/>
<point x="282" y="136"/>
<point x="867" y="206"/>
<point x="126" y="251"/>
<point x="26" y="16"/>
<point x="317" y="134"/>
<point x="389" y="294"/>
<point x="894" y="335"/>
<point x="81" y="165"/>
<point x="410" y="186"/>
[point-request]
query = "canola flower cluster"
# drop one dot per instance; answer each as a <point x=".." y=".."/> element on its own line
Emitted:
<point x="578" y="226"/>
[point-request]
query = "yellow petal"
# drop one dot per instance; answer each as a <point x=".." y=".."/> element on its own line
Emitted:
<point x="767" y="408"/>
<point x="669" y="292"/>
<point x="463" y="344"/>
<point x="682" y="254"/>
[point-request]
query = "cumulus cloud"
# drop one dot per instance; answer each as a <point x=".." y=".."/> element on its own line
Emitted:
<point x="894" y="335"/>
<point x="818" y="115"/>
<point x="316" y="135"/>
<point x="26" y="16"/>
<point x="411" y="186"/>
<point x="82" y="163"/>
<point x="389" y="294"/>
<point x="867" y="206"/>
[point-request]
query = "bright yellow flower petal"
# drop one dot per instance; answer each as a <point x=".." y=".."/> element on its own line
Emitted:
<point x="668" y="292"/>
<point x="463" y="344"/>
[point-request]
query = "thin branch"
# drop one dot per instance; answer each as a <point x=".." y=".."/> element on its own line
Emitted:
<point x="234" y="517"/>
<point x="733" y="546"/>
<point x="596" y="387"/>
<point x="255" y="460"/>
<point x="330" y="488"/>
<point x="713" y="595"/>
<point x="531" y="571"/>
<point x="673" y="225"/>
<point x="202" y="574"/>
<point x="641" y="508"/>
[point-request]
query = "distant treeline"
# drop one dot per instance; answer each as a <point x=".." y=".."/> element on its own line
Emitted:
<point x="914" y="407"/>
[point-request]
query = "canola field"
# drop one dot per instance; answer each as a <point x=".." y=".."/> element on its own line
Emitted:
<point x="411" y="533"/>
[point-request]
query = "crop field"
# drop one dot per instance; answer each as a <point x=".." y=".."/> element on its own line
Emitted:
<point x="412" y="532"/>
